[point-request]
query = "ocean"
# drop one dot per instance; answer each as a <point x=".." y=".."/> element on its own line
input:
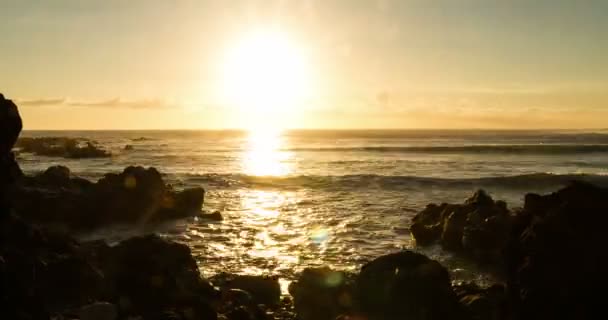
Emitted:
<point x="296" y="199"/>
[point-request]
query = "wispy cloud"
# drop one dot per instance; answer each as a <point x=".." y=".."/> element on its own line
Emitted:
<point x="106" y="103"/>
<point x="40" y="102"/>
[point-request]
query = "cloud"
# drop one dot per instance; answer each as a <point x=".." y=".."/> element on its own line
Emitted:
<point x="119" y="103"/>
<point x="40" y="102"/>
<point x="107" y="103"/>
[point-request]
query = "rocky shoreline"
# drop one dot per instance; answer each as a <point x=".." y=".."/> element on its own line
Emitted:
<point x="551" y="252"/>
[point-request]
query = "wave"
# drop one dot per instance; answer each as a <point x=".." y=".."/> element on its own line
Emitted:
<point x="525" y="181"/>
<point x="479" y="149"/>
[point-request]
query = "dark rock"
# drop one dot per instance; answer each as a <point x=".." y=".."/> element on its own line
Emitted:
<point x="428" y="224"/>
<point x="151" y="274"/>
<point x="214" y="216"/>
<point x="135" y="196"/>
<point x="479" y="227"/>
<point x="557" y="259"/>
<point x="129" y="147"/>
<point x="483" y="303"/>
<point x="322" y="293"/>
<point x="98" y="311"/>
<point x="263" y="289"/>
<point x="64" y="147"/>
<point x="406" y="285"/>
<point x="10" y="127"/>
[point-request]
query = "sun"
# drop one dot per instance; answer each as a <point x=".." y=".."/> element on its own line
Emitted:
<point x="266" y="75"/>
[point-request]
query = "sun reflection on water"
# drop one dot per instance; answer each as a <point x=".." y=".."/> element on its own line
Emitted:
<point x="264" y="156"/>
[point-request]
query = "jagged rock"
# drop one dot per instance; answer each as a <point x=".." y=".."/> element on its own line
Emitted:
<point x="263" y="289"/>
<point x="478" y="227"/>
<point x="322" y="293"/>
<point x="406" y="285"/>
<point x="483" y="303"/>
<point x="135" y="196"/>
<point x="557" y="259"/>
<point x="64" y="147"/>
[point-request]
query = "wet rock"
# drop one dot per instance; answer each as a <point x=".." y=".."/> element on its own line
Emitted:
<point x="263" y="289"/>
<point x="406" y="285"/>
<point x="322" y="293"/>
<point x="479" y="227"/>
<point x="135" y="196"/>
<point x="213" y="216"/>
<point x="483" y="303"/>
<point x="64" y="147"/>
<point x="557" y="259"/>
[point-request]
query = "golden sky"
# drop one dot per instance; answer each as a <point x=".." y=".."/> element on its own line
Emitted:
<point x="306" y="64"/>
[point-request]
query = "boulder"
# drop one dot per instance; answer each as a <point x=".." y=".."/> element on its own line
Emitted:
<point x="557" y="259"/>
<point x="10" y="127"/>
<point x="136" y="196"/>
<point x="406" y="285"/>
<point x="479" y="227"/>
<point x="483" y="303"/>
<point x="263" y="289"/>
<point x="63" y="147"/>
<point x="322" y="293"/>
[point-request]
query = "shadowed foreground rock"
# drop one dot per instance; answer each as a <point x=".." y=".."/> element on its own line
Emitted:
<point x="63" y="147"/>
<point x="557" y="258"/>
<point x="406" y="285"/>
<point x="137" y="196"/>
<point x="479" y="227"/>
<point x="323" y="294"/>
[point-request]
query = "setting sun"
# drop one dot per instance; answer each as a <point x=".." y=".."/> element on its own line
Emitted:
<point x="265" y="74"/>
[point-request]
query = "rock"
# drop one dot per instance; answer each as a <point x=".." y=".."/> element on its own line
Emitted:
<point x="428" y="224"/>
<point x="147" y="275"/>
<point x="483" y="303"/>
<point x="64" y="147"/>
<point x="214" y="216"/>
<point x="557" y="259"/>
<point x="479" y="227"/>
<point x="129" y="147"/>
<point x="406" y="285"/>
<point x="263" y="289"/>
<point x="98" y="311"/>
<point x="136" y="196"/>
<point x="322" y="293"/>
<point x="10" y="127"/>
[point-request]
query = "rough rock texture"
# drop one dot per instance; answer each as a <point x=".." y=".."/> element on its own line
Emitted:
<point x="322" y="294"/>
<point x="264" y="290"/>
<point x="406" y="285"/>
<point x="64" y="147"/>
<point x="557" y="258"/>
<point x="479" y="227"/>
<point x="135" y="196"/>
<point x="483" y="303"/>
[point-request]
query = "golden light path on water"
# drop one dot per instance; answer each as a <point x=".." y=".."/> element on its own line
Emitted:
<point x="279" y="235"/>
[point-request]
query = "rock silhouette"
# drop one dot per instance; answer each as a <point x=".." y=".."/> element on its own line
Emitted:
<point x="63" y="147"/>
<point x="136" y="196"/>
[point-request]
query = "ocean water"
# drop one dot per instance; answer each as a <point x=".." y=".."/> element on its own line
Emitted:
<point x="295" y="199"/>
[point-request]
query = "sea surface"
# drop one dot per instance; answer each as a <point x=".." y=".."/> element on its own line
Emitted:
<point x="296" y="199"/>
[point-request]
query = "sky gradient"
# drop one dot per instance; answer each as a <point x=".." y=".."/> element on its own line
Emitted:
<point x="377" y="64"/>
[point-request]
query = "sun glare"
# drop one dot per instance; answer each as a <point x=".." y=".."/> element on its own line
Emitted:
<point x="265" y="76"/>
